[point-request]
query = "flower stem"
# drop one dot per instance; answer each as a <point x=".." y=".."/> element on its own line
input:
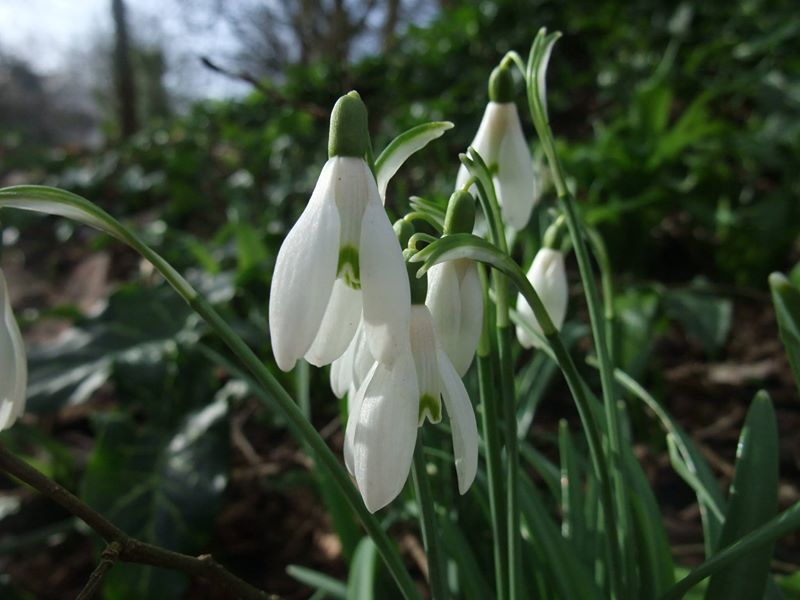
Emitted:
<point x="491" y="430"/>
<point x="427" y="522"/>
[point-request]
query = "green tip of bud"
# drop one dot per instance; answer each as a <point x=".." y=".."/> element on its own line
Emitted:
<point x="501" y="84"/>
<point x="349" y="135"/>
<point x="460" y="216"/>
<point x="403" y="230"/>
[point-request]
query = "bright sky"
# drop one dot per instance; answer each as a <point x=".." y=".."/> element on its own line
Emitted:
<point x="42" y="31"/>
<point x="46" y="33"/>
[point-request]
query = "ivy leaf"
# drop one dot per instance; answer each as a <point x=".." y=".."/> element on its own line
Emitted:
<point x="161" y="485"/>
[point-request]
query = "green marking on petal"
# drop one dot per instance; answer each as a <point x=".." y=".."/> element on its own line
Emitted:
<point x="347" y="268"/>
<point x="430" y="407"/>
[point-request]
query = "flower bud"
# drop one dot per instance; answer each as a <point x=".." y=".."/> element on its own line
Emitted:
<point x="349" y="135"/>
<point x="460" y="216"/>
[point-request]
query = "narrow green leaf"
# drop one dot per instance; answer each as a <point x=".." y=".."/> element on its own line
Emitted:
<point x="786" y="298"/>
<point x="656" y="569"/>
<point x="318" y="581"/>
<point x="363" y="572"/>
<point x="402" y="147"/>
<point x="473" y="584"/>
<point x="573" y="526"/>
<point x="753" y="501"/>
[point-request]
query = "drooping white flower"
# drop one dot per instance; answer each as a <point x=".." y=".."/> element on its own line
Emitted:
<point x="501" y="143"/>
<point x="13" y="365"/>
<point x="548" y="277"/>
<point x="340" y="262"/>
<point x="455" y="300"/>
<point x="393" y="401"/>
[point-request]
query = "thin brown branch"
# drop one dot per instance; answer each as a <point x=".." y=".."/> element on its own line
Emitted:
<point x="130" y="549"/>
<point x="270" y="92"/>
<point x="108" y="559"/>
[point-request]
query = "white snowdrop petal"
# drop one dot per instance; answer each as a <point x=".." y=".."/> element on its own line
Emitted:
<point x="515" y="180"/>
<point x="13" y="364"/>
<point x="548" y="277"/>
<point x="471" y="319"/>
<point x="386" y="432"/>
<point x="444" y="301"/>
<point x="304" y="274"/>
<point x="341" y="371"/>
<point x="462" y="423"/>
<point x="338" y="326"/>
<point x="384" y="284"/>
<point x="355" y="398"/>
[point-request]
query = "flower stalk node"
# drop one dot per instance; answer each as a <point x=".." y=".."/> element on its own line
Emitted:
<point x="460" y="216"/>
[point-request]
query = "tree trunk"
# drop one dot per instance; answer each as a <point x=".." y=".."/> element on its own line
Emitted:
<point x="123" y="72"/>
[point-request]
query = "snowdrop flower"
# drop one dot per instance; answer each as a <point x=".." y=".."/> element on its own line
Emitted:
<point x="13" y="367"/>
<point x="501" y="143"/>
<point x="549" y="278"/>
<point x="393" y="400"/>
<point x="341" y="261"/>
<point x="455" y="298"/>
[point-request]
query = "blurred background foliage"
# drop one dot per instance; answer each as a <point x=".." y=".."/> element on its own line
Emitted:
<point x="679" y="124"/>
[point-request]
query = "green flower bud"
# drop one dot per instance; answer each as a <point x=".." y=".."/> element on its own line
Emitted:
<point x="460" y="216"/>
<point x="501" y="84"/>
<point x="349" y="135"/>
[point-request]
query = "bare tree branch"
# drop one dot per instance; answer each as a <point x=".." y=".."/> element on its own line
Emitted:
<point x="274" y="94"/>
<point x="129" y="549"/>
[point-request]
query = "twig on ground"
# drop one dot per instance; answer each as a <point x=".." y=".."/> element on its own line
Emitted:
<point x="130" y="549"/>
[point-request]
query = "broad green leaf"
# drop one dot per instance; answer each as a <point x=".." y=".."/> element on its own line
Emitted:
<point x="318" y="581"/>
<point x="138" y="326"/>
<point x="786" y="298"/>
<point x="362" y="577"/>
<point x="161" y="485"/>
<point x="753" y="501"/>
<point x="704" y="316"/>
<point x="402" y="147"/>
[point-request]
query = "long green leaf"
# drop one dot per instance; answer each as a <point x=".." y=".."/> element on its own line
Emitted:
<point x="753" y="501"/>
<point x="786" y="299"/>
<point x="363" y="572"/>
<point x="785" y="523"/>
<point x="318" y="581"/>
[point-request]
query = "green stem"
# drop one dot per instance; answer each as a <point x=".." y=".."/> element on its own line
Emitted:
<point x="491" y="430"/>
<point x="427" y="521"/>
<point x="598" y="324"/>
<point x="607" y="285"/>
